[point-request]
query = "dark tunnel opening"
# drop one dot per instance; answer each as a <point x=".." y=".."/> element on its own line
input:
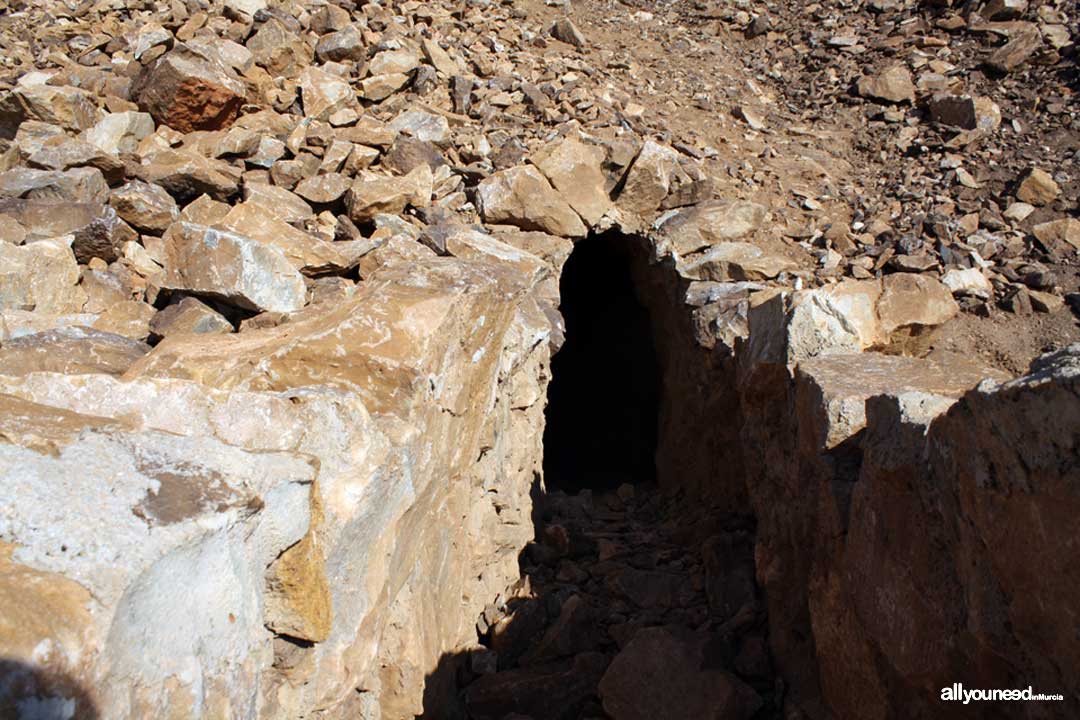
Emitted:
<point x="603" y="400"/>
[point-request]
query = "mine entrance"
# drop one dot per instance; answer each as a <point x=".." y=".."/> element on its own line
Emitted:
<point x="601" y="416"/>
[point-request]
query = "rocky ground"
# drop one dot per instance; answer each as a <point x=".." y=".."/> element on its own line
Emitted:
<point x="845" y="116"/>
<point x="317" y="246"/>
<point x="625" y="583"/>
<point x="883" y="137"/>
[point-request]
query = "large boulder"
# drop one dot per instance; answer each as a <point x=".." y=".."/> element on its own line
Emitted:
<point x="78" y="185"/>
<point x="189" y="90"/>
<point x="236" y="268"/>
<point x="70" y="350"/>
<point x="381" y="491"/>
<point x="145" y="206"/>
<point x="142" y="508"/>
<point x="96" y="230"/>
<point x="522" y="196"/>
<point x="660" y="674"/>
<point x="649" y="179"/>
<point x="575" y="170"/>
<point x="41" y="277"/>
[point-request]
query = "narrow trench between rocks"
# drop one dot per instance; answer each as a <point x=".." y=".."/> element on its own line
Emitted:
<point x="631" y="578"/>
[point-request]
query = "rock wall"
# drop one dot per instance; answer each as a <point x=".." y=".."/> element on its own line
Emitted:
<point x="270" y="546"/>
<point x="910" y="511"/>
<point x="910" y="517"/>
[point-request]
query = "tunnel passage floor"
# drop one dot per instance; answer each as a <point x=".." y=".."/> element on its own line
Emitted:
<point x="632" y="612"/>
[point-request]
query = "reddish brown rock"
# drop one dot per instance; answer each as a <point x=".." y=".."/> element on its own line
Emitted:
<point x="188" y="91"/>
<point x="659" y="674"/>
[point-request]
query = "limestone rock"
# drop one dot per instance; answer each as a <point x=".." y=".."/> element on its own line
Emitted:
<point x="711" y="222"/>
<point x="95" y="229"/>
<point x="838" y="386"/>
<point x="188" y="90"/>
<point x="472" y="245"/>
<point x="439" y="58"/>
<point x="408" y="153"/>
<point x="398" y="250"/>
<point x="521" y="196"/>
<point x="399" y="292"/>
<point x="1004" y="9"/>
<point x="70" y="350"/>
<point x="422" y="125"/>
<point x="575" y="170"/>
<point x="191" y="316"/>
<point x="965" y="111"/>
<point x="204" y="211"/>
<point x="969" y="281"/>
<point x="892" y="84"/>
<point x="899" y="313"/>
<point x="380" y="87"/>
<point x="145" y="496"/>
<point x="307" y="254"/>
<point x="342" y="45"/>
<point x="69" y="107"/>
<point x="244" y="8"/>
<point x="279" y="50"/>
<point x="277" y="201"/>
<point x="79" y="185"/>
<point x="324" y="93"/>
<point x="68" y="153"/>
<point x="235" y="268"/>
<point x="144" y="206"/>
<point x="983" y="435"/>
<point x="1063" y="230"/>
<point x="127" y="318"/>
<point x="322" y="189"/>
<point x="41" y="276"/>
<point x="186" y="175"/>
<point x="649" y="179"/>
<point x="734" y="261"/>
<point x="565" y="30"/>
<point x="393" y="62"/>
<point x="911" y="303"/>
<point x="1024" y="40"/>
<point x="1038" y="188"/>
<point x="372" y="194"/>
<point x="120" y="132"/>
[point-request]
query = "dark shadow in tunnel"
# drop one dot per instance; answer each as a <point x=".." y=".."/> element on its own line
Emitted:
<point x="29" y="692"/>
<point x="603" y="400"/>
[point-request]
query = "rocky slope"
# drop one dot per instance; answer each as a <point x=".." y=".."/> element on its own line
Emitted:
<point x="280" y="293"/>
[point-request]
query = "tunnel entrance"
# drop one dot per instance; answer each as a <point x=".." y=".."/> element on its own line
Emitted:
<point x="601" y="418"/>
